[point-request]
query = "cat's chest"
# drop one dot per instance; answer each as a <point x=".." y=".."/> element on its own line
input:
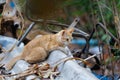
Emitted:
<point x="53" y="46"/>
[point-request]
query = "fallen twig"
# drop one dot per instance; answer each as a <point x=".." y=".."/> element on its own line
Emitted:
<point x="43" y="70"/>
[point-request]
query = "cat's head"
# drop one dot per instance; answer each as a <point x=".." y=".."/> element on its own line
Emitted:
<point x="65" y="36"/>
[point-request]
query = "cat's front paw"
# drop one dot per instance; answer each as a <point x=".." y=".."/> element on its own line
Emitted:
<point x="8" y="67"/>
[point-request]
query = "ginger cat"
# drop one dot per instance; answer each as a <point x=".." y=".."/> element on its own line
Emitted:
<point x="38" y="49"/>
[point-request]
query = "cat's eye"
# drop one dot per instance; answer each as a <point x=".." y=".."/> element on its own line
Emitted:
<point x="67" y="39"/>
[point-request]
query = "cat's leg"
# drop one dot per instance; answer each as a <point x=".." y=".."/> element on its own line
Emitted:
<point x="12" y="62"/>
<point x="36" y="55"/>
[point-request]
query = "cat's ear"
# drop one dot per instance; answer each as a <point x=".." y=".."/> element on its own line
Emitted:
<point x="71" y="30"/>
<point x="62" y="33"/>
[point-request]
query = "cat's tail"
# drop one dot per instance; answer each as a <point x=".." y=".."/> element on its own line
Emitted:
<point x="12" y="62"/>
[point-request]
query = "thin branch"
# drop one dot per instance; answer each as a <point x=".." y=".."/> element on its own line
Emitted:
<point x="101" y="13"/>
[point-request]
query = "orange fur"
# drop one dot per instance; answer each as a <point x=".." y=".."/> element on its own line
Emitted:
<point x="38" y="49"/>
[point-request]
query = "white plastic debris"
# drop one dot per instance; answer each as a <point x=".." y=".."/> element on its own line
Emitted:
<point x="69" y="70"/>
<point x="2" y="1"/>
<point x="95" y="50"/>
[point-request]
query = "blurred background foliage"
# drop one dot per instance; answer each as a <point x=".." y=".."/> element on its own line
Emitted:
<point x="89" y="11"/>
